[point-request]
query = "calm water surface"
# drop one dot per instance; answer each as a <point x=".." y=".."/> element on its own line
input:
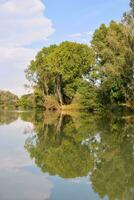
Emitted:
<point x="55" y="156"/>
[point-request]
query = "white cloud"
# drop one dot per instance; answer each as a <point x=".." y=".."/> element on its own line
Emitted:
<point x="19" y="56"/>
<point x="24" y="185"/>
<point x="22" y="23"/>
<point x="18" y="172"/>
<point x="80" y="35"/>
<point x="84" y="37"/>
<point x="76" y="35"/>
<point x="90" y="33"/>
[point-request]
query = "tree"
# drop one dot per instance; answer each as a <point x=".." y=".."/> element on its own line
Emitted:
<point x="88" y="96"/>
<point x="114" y="53"/>
<point x="132" y="8"/>
<point x="70" y="62"/>
<point x="27" y="102"/>
<point x="128" y="17"/>
<point x="57" y="70"/>
<point x="38" y="73"/>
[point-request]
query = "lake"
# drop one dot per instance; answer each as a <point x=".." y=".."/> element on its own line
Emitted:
<point x="68" y="156"/>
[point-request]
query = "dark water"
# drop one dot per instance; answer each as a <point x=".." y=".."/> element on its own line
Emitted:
<point x="73" y="156"/>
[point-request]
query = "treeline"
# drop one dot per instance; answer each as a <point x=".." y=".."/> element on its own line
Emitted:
<point x="8" y="100"/>
<point x="93" y="76"/>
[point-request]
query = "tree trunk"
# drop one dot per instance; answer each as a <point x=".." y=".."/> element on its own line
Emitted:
<point x="46" y="87"/>
<point x="58" y="89"/>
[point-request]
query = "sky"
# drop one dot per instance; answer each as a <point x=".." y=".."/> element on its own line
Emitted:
<point x="28" y="25"/>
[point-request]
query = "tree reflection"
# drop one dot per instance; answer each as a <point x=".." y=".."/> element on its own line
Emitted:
<point x="8" y="117"/>
<point x="113" y="173"/>
<point x="57" y="149"/>
<point x="100" y="146"/>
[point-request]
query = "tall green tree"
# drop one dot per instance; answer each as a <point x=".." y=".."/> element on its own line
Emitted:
<point x="114" y="46"/>
<point x="58" y="70"/>
<point x="38" y="73"/>
<point x="70" y="62"/>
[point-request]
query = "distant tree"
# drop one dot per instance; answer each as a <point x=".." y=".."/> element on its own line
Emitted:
<point x="8" y="100"/>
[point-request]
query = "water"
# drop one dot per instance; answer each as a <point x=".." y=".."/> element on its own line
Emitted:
<point x="70" y="156"/>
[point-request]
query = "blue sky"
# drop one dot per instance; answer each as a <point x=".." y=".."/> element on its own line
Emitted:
<point x="27" y="26"/>
<point x="81" y="16"/>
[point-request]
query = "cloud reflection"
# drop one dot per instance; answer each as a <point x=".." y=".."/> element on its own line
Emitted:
<point x="19" y="178"/>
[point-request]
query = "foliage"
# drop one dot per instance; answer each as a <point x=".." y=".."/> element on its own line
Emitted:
<point x="88" y="96"/>
<point x="58" y="70"/>
<point x="8" y="100"/>
<point x="114" y="53"/>
<point x="27" y="102"/>
<point x="128" y="17"/>
<point x="71" y="61"/>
